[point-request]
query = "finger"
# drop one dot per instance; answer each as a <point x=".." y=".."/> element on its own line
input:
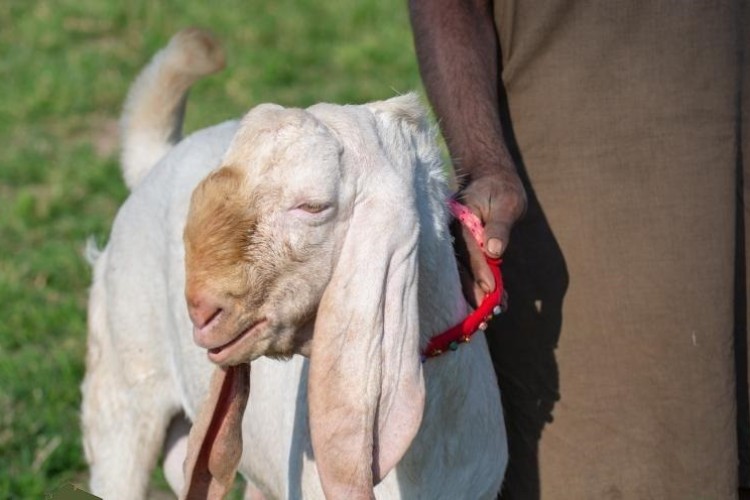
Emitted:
<point x="476" y="278"/>
<point x="478" y="296"/>
<point x="482" y="274"/>
<point x="496" y="236"/>
<point x="468" y="287"/>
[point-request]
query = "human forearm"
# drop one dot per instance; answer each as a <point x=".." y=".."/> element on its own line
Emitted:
<point x="458" y="57"/>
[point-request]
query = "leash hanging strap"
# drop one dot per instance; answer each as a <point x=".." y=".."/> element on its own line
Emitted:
<point x="492" y="304"/>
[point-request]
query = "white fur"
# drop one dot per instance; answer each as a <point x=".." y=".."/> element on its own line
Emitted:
<point x="143" y="368"/>
<point x="151" y="123"/>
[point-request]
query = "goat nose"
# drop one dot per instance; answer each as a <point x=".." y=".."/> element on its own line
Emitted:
<point x="202" y="310"/>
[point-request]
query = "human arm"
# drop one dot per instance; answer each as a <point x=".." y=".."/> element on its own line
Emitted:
<point x="458" y="56"/>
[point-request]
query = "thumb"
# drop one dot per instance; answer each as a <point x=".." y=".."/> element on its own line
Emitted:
<point x="496" y="236"/>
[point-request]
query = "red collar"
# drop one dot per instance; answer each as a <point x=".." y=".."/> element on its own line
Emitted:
<point x="492" y="305"/>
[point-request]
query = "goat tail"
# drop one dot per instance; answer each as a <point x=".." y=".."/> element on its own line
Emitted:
<point x="151" y="122"/>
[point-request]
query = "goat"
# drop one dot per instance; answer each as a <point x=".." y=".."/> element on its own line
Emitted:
<point x="314" y="244"/>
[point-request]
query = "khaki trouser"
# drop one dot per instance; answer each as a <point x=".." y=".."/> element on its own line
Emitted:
<point x="616" y="359"/>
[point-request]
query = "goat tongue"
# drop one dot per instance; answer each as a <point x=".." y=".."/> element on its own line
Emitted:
<point x="215" y="441"/>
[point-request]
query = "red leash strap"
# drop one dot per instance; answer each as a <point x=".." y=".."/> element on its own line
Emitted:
<point x="492" y="305"/>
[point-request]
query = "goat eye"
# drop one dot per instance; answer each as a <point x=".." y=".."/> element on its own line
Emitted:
<point x="313" y="208"/>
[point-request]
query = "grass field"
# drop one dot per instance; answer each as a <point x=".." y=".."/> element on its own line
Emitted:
<point x="64" y="72"/>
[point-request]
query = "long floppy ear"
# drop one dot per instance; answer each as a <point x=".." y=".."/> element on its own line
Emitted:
<point x="215" y="441"/>
<point x="366" y="391"/>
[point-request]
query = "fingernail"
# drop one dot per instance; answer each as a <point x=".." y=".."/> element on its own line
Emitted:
<point x="495" y="246"/>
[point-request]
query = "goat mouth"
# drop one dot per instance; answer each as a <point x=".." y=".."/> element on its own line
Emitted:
<point x="225" y="353"/>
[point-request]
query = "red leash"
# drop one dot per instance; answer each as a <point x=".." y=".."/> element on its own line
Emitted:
<point x="492" y="304"/>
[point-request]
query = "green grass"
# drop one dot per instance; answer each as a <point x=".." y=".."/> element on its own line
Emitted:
<point x="64" y="71"/>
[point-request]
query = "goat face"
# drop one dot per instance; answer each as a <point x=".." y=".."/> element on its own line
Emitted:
<point x="305" y="241"/>
<point x="258" y="238"/>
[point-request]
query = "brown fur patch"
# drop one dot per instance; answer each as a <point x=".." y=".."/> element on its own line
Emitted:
<point x="217" y="232"/>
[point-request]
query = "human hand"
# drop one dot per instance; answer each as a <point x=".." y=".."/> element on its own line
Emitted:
<point x="499" y="200"/>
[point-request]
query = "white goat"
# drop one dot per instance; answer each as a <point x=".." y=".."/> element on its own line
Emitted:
<point x="320" y="232"/>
